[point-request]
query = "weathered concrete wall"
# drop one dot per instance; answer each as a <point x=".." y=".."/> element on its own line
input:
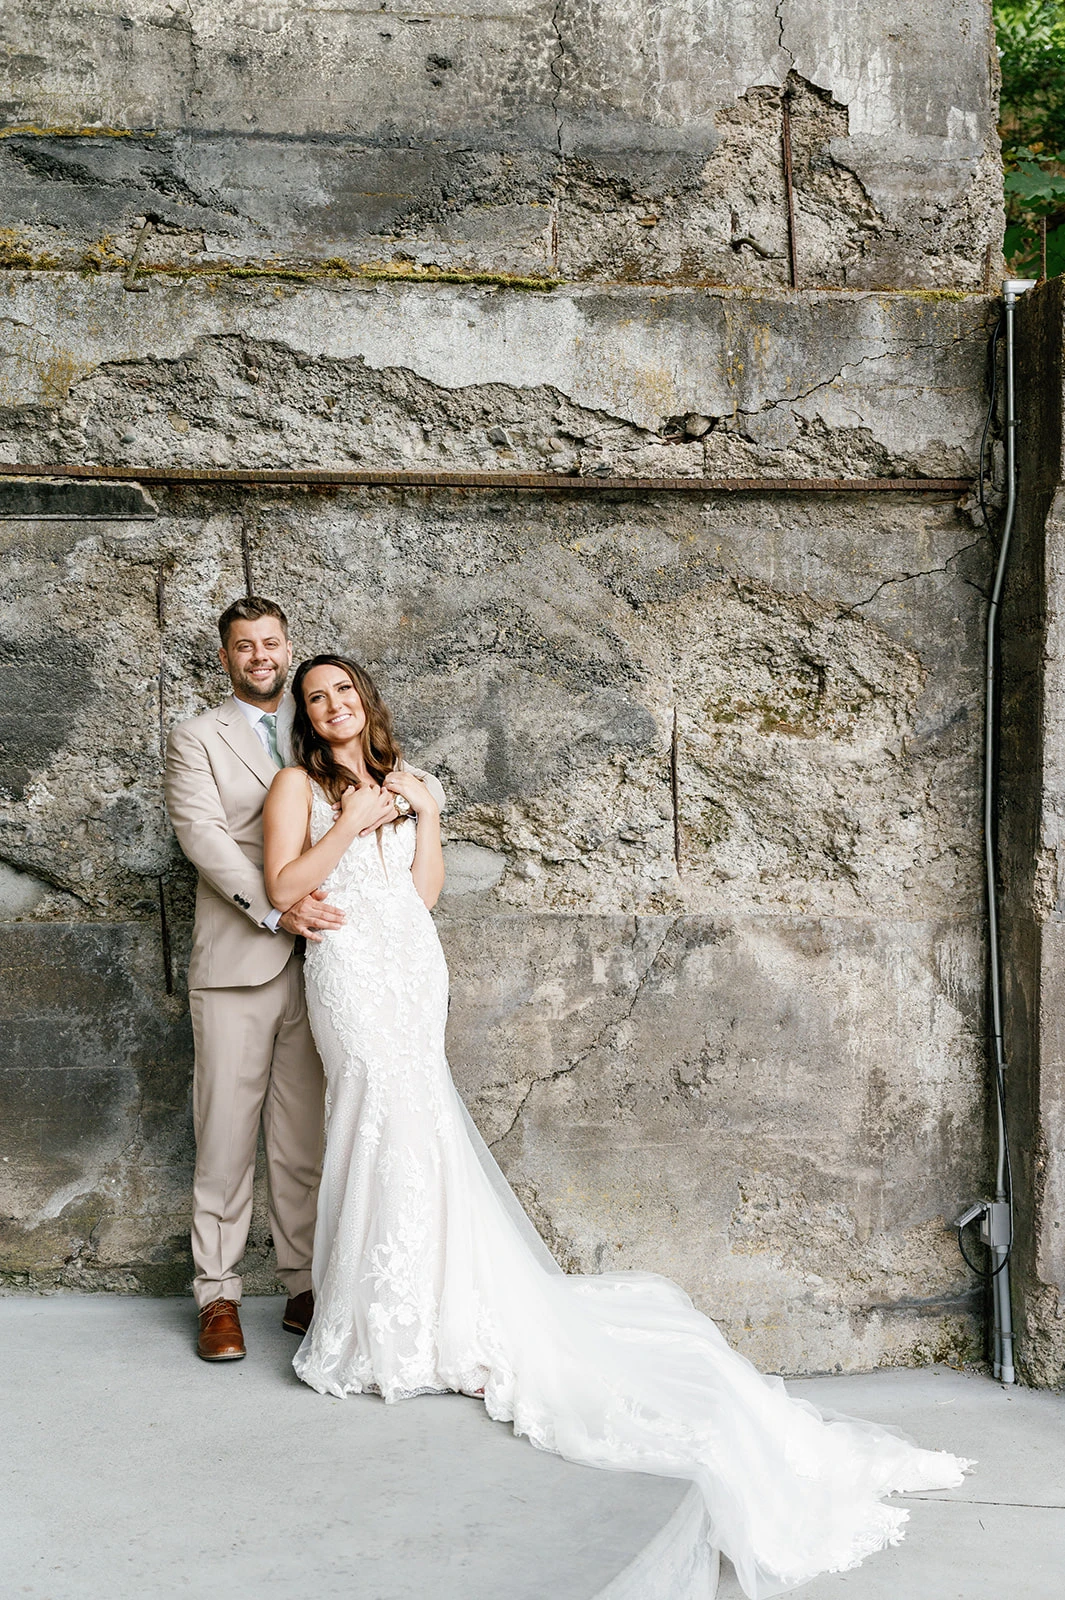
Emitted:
<point x="613" y="141"/>
<point x="760" y="1072"/>
<point x="713" y="914"/>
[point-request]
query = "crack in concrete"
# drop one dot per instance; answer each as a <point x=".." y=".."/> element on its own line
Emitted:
<point x="613" y="1022"/>
<point x="549" y="1077"/>
<point x="778" y="14"/>
<point x="897" y="351"/>
<point x="556" y="73"/>
<point x="910" y="577"/>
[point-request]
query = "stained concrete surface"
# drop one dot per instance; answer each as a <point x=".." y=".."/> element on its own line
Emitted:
<point x="131" y="1469"/>
<point x="257" y="373"/>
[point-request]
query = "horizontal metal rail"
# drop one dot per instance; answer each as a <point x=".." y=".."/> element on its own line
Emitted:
<point x="549" y="482"/>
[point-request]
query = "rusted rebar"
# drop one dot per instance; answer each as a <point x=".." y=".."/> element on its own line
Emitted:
<point x="789" y="184"/>
<point x="160" y="692"/>
<point x="245" y="557"/>
<point x="129" y="277"/>
<point x="545" y="482"/>
<point x="164" y="932"/>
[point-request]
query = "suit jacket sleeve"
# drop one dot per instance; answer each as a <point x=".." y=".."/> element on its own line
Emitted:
<point x="199" y="820"/>
<point x="434" y="786"/>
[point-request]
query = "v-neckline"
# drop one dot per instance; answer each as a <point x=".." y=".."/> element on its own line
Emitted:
<point x="381" y="855"/>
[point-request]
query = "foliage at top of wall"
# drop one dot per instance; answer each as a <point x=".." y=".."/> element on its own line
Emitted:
<point x="1031" y="45"/>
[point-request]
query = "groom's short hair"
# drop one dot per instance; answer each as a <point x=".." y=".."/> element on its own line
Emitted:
<point x="250" y="609"/>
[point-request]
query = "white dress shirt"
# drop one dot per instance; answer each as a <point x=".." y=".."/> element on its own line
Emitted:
<point x="254" y="715"/>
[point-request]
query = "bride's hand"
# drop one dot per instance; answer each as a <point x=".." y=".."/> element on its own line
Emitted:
<point x="413" y="790"/>
<point x="366" y="808"/>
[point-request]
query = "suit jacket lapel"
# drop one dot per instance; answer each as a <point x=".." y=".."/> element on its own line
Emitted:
<point x="242" y="739"/>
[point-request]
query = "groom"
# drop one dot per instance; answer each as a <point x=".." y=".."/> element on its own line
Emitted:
<point x="255" y="1057"/>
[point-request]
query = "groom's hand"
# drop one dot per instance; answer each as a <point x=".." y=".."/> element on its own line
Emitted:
<point x="312" y="916"/>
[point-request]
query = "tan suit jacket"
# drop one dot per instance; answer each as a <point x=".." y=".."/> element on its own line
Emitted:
<point x="217" y="777"/>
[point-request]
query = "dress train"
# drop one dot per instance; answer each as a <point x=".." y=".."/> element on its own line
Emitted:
<point x="428" y="1277"/>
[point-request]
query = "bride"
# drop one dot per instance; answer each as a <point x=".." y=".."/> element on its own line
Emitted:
<point x="427" y="1274"/>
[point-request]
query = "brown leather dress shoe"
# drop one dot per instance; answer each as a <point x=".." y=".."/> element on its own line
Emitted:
<point x="298" y="1312"/>
<point x="220" y="1336"/>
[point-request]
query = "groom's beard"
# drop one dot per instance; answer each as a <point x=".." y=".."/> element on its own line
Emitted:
<point x="258" y="688"/>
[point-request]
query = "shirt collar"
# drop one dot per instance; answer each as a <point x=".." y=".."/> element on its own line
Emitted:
<point x="253" y="714"/>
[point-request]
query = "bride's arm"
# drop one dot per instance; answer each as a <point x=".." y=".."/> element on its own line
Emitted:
<point x="292" y="866"/>
<point x="427" y="868"/>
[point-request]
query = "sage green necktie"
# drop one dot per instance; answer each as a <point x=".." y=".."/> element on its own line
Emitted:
<point x="269" y="720"/>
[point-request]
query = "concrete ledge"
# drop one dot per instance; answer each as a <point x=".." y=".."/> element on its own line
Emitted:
<point x="612" y="380"/>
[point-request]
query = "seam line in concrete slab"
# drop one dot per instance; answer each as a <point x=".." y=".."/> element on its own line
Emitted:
<point x="963" y="1500"/>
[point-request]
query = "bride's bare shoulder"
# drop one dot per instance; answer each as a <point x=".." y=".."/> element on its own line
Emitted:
<point x="291" y="787"/>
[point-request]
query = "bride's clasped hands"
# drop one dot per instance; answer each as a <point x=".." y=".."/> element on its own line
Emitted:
<point x="364" y="807"/>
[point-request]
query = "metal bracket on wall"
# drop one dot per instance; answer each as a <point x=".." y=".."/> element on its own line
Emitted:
<point x="543" y="482"/>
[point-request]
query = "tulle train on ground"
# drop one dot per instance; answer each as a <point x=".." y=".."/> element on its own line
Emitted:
<point x="429" y="1277"/>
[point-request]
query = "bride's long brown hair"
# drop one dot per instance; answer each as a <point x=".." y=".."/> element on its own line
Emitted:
<point x="380" y="750"/>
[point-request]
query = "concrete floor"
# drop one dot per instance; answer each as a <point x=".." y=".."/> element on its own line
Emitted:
<point x="129" y="1468"/>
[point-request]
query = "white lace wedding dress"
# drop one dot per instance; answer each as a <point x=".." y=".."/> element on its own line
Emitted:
<point x="429" y="1277"/>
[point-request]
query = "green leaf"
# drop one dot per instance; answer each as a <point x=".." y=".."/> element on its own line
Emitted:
<point x="1032" y="182"/>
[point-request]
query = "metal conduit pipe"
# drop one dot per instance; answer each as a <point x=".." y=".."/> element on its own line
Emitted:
<point x="997" y="1220"/>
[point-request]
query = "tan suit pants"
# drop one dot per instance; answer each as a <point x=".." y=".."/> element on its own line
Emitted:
<point x="255" y="1062"/>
